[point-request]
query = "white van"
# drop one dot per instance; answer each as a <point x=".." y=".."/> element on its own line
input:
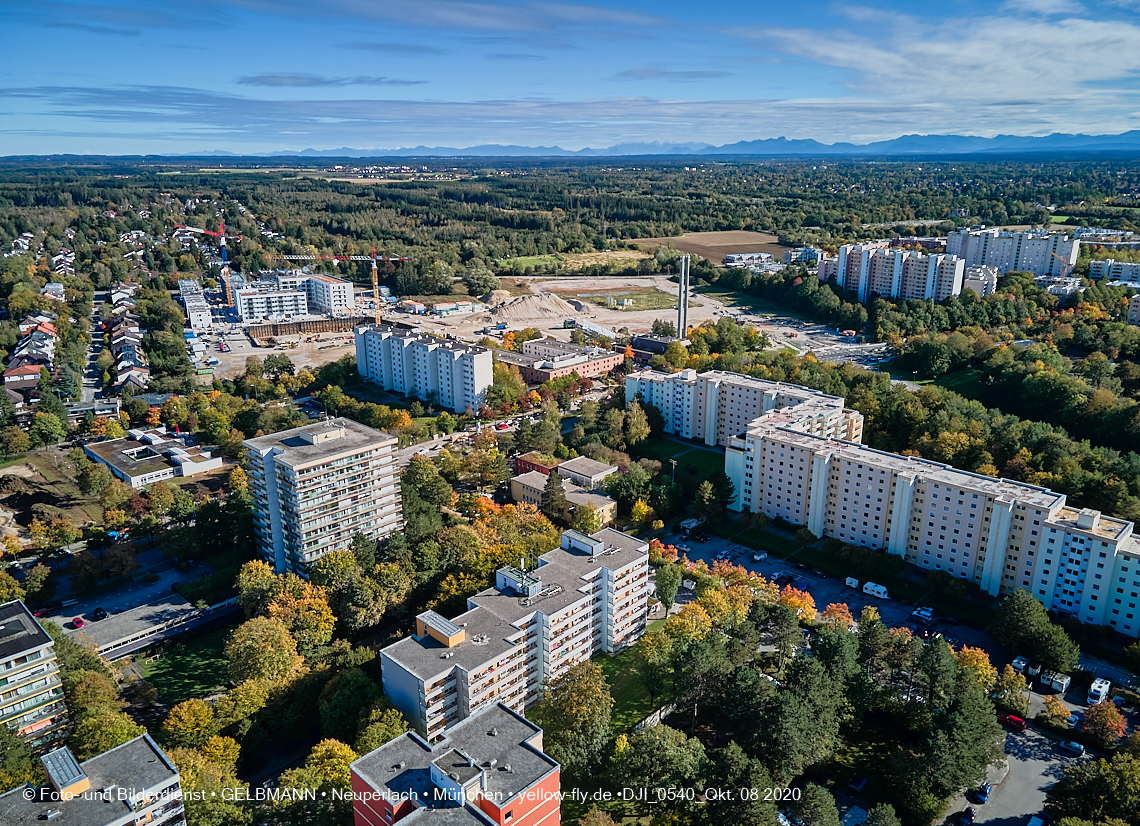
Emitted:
<point x="852" y="582"/>
<point x="1098" y="691"/>
<point x="875" y="590"/>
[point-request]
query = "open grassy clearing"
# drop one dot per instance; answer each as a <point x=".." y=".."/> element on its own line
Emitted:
<point x="703" y="463"/>
<point x="640" y="298"/>
<point x="190" y="668"/>
<point x="631" y="698"/>
<point x="751" y="302"/>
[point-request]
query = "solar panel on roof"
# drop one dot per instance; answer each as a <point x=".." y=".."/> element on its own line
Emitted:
<point x="62" y="768"/>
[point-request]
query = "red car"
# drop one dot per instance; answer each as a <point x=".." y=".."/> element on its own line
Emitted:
<point x="78" y="622"/>
<point x="501" y="426"/>
<point x="1014" y="722"/>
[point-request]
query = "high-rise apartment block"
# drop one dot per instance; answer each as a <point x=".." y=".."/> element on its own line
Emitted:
<point x="875" y="269"/>
<point x="1134" y="309"/>
<point x="1127" y="272"/>
<point x="999" y="533"/>
<point x="315" y="487"/>
<point x="31" y="699"/>
<point x="132" y="784"/>
<point x="589" y="595"/>
<point x="1041" y="253"/>
<point x="981" y="279"/>
<point x="324" y="293"/>
<point x="447" y="372"/>
<point x="487" y="769"/>
<point x="715" y="406"/>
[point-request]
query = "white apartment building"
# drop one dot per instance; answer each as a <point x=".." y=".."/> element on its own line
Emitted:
<point x="1041" y="253"/>
<point x="451" y="374"/>
<point x="315" y="487"/>
<point x="1134" y="309"/>
<point x="1110" y="269"/>
<point x="590" y="595"/>
<point x="326" y="295"/>
<point x="874" y="268"/>
<point x="198" y="314"/>
<point x="253" y="304"/>
<point x="715" y="406"/>
<point x="981" y="279"/>
<point x="1002" y="534"/>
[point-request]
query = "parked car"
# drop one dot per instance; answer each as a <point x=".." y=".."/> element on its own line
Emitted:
<point x="1012" y="721"/>
<point x="502" y="426"/>
<point x="78" y="622"/>
<point x="43" y="612"/>
<point x="99" y="614"/>
<point x="684" y="549"/>
<point x="968" y="816"/>
<point x="1074" y="720"/>
<point x="983" y="792"/>
<point x="1072" y="747"/>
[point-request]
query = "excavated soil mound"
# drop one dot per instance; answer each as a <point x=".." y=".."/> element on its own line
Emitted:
<point x="544" y="305"/>
<point x="496" y="297"/>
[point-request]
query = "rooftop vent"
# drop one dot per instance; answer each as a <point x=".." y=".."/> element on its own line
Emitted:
<point x="52" y="814"/>
<point x="494" y="732"/>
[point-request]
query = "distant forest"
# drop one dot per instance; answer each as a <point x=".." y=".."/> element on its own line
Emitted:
<point x="491" y="212"/>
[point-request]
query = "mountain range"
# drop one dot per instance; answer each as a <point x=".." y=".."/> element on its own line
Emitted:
<point x="1128" y="142"/>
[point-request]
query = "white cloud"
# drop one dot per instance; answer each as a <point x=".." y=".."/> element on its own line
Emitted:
<point x="1046" y="7"/>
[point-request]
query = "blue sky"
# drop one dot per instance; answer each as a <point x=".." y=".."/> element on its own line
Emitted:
<point x="137" y="76"/>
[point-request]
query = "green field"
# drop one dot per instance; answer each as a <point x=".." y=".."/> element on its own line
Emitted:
<point x="969" y="382"/>
<point x="704" y="463"/>
<point x="752" y="302"/>
<point x="192" y="668"/>
<point x="631" y="699"/>
<point x="529" y="261"/>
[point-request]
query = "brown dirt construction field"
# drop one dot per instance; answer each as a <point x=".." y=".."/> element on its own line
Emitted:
<point x="715" y="245"/>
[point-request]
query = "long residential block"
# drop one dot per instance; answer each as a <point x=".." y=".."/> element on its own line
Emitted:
<point x="446" y="372"/>
<point x="1041" y="253"/>
<point x="315" y="487"/>
<point x="875" y="269"/>
<point x="587" y="596"/>
<point x="715" y="406"/>
<point x="999" y="533"/>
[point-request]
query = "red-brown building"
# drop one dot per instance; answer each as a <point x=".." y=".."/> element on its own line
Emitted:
<point x="535" y="461"/>
<point x="488" y="768"/>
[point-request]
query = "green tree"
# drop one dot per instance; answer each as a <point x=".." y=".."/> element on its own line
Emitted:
<point x="669" y="578"/>
<point x="381" y="724"/>
<point x="1011" y="691"/>
<point x="210" y="790"/>
<point x="659" y="757"/>
<point x="654" y="661"/>
<point x="1023" y="625"/>
<point x="100" y="730"/>
<point x="574" y="711"/>
<point x="636" y="424"/>
<point x="262" y="649"/>
<point x="553" y="503"/>
<point x="1097" y="790"/>
<point x="341" y="701"/>
<point x="816" y="807"/>
<point x="94" y="478"/>
<point x="882" y="814"/>
<point x="10" y="588"/>
<point x="46" y="429"/>
<point x="707" y="505"/>
<point x="1104" y="722"/>
<point x="586" y="519"/>
<point x="190" y="724"/>
<point x="326" y="772"/>
<point x="731" y="768"/>
<point x="423" y="477"/>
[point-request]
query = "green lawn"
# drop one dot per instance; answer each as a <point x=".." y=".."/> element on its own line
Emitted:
<point x="761" y="540"/>
<point x="641" y="298"/>
<point x="704" y="463"/>
<point x="968" y="382"/>
<point x="752" y="302"/>
<point x="191" y="668"/>
<point x="631" y="699"/>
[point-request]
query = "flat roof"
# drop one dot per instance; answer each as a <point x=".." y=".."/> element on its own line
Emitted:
<point x="19" y="631"/>
<point x="586" y="466"/>
<point x="149" y="458"/>
<point x="294" y="450"/>
<point x="129" y="623"/>
<point x="498" y="742"/>
<point x="485" y="639"/>
<point x="135" y="766"/>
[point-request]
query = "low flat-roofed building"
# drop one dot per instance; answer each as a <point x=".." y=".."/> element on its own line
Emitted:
<point x="134" y="629"/>
<point x="528" y="488"/>
<point x="135" y="783"/>
<point x="31" y="699"/>
<point x="586" y="472"/>
<point x="489" y="768"/>
<point x="144" y="457"/>
<point x="534" y="460"/>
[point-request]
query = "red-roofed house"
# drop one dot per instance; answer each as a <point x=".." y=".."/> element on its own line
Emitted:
<point x="16" y="378"/>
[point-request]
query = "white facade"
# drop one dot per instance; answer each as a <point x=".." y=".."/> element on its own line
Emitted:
<point x="328" y="295"/>
<point x="586" y="597"/>
<point x="1113" y="270"/>
<point x="198" y="314"/>
<point x="874" y="268"/>
<point x="254" y="304"/>
<point x="981" y="279"/>
<point x="451" y="374"/>
<point x="1134" y="309"/>
<point x="1041" y="253"/>
<point x="716" y="406"/>
<point x="790" y="462"/>
<point x="317" y="486"/>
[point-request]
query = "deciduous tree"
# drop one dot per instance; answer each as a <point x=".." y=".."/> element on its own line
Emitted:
<point x="262" y="649"/>
<point x="574" y="711"/>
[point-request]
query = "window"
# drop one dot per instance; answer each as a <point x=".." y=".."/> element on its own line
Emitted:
<point x="509" y="816"/>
